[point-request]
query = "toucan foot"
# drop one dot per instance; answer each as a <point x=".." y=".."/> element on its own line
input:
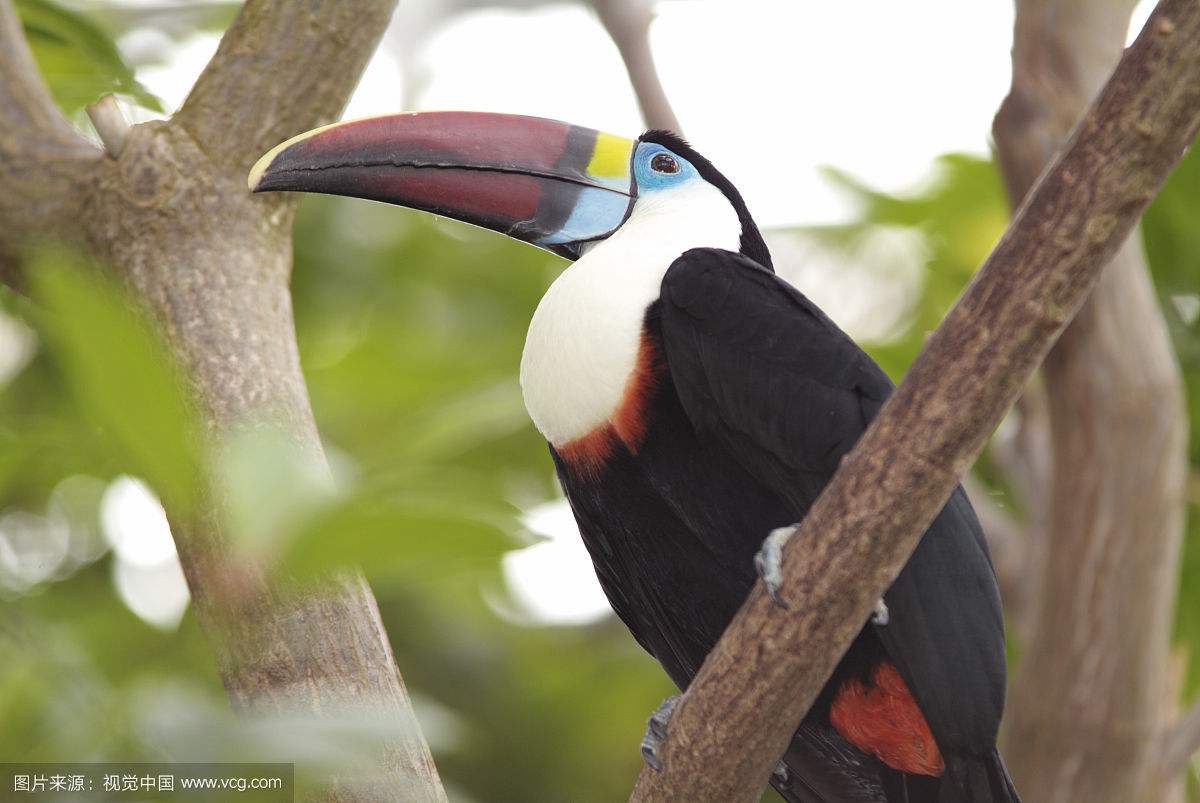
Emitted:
<point x="769" y="561"/>
<point x="656" y="732"/>
<point x="781" y="774"/>
<point x="880" y="615"/>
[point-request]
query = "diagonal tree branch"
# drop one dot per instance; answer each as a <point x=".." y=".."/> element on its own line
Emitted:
<point x="740" y="711"/>
<point x="43" y="159"/>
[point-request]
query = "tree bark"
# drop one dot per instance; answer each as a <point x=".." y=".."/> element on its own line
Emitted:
<point x="41" y="155"/>
<point x="740" y="711"/>
<point x="172" y="217"/>
<point x="1086" y="708"/>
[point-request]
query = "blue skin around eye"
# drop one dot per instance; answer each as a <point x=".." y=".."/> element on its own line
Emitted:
<point x="598" y="213"/>
<point x="650" y="180"/>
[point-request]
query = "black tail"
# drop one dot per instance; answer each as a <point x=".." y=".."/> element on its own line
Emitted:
<point x="822" y="768"/>
<point x="971" y="779"/>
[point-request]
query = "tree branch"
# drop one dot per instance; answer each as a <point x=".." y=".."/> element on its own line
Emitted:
<point x="30" y="120"/>
<point x="293" y="63"/>
<point x="628" y="25"/>
<point x="43" y="160"/>
<point x="740" y="711"/>
<point x="1086" y="707"/>
<point x="1181" y="743"/>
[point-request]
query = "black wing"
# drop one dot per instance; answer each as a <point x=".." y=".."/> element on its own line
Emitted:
<point x="761" y="369"/>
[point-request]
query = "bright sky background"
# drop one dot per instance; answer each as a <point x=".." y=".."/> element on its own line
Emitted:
<point x="770" y="90"/>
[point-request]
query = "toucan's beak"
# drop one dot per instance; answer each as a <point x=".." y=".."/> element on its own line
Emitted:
<point x="548" y="183"/>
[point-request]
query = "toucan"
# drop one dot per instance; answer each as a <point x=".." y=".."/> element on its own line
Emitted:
<point x="695" y="404"/>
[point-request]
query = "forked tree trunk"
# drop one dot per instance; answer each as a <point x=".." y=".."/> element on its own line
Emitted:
<point x="170" y="214"/>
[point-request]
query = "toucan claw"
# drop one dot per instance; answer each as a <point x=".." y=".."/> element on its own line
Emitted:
<point x="769" y="561"/>
<point x="880" y="615"/>
<point x="656" y="732"/>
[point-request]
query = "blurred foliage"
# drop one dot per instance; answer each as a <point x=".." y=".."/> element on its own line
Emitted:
<point x="77" y="57"/>
<point x="959" y="214"/>
<point x="410" y="331"/>
<point x="175" y="20"/>
<point x="119" y="371"/>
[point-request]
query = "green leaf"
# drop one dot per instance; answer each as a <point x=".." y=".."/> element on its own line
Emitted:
<point x="121" y="374"/>
<point x="426" y="540"/>
<point x="271" y="486"/>
<point x="77" y="59"/>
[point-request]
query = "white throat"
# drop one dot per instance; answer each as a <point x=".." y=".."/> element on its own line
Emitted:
<point x="583" y="342"/>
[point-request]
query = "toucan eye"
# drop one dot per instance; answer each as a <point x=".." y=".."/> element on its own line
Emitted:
<point x="664" y="163"/>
